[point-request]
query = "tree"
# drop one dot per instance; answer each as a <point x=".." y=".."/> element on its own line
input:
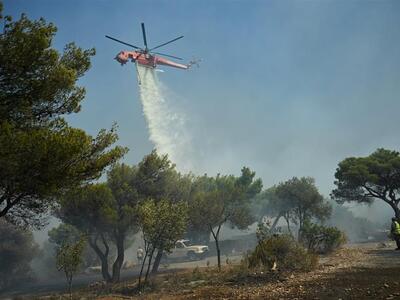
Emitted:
<point x="227" y="199"/>
<point x="121" y="180"/>
<point x="68" y="234"/>
<point x="157" y="179"/>
<point x="364" y="179"/>
<point x="90" y="209"/>
<point x="162" y="223"/>
<point x="108" y="212"/>
<point x="41" y="157"/>
<point x="269" y="204"/>
<point x="37" y="83"/>
<point x="198" y="230"/>
<point x="302" y="201"/>
<point x="17" y="249"/>
<point x="69" y="258"/>
<point x="105" y="219"/>
<point x="64" y="233"/>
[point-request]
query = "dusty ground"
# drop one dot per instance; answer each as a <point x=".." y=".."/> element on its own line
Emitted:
<point x="369" y="271"/>
<point x="364" y="272"/>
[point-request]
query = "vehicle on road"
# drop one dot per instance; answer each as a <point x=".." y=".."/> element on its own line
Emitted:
<point x="184" y="250"/>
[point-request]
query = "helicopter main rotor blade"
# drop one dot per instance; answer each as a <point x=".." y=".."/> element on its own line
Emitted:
<point x="166" y="43"/>
<point x="130" y="45"/>
<point x="144" y="36"/>
<point x="167" y="55"/>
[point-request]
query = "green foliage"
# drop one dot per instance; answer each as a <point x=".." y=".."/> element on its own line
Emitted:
<point x="90" y="208"/>
<point x="17" y="249"/>
<point x="363" y="179"/>
<point x="68" y="234"/>
<point x="321" y="239"/>
<point x="59" y="159"/>
<point x="158" y="179"/>
<point x="300" y="200"/>
<point x="162" y="223"/>
<point x="69" y="258"/>
<point x="40" y="155"/>
<point x="38" y="84"/>
<point x="225" y="198"/>
<point x="95" y="212"/>
<point x="64" y="233"/>
<point x="284" y="251"/>
<point x="109" y="212"/>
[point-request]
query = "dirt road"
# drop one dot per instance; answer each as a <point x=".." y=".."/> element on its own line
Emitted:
<point x="362" y="271"/>
<point x="58" y="284"/>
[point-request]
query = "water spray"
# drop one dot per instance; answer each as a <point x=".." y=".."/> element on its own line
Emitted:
<point x="166" y="124"/>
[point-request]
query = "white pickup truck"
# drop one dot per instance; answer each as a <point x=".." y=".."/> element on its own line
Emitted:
<point x="185" y="250"/>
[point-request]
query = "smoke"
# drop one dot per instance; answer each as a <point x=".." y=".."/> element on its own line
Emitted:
<point x="166" y="124"/>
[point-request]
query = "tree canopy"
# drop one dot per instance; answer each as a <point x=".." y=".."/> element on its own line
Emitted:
<point x="37" y="83"/>
<point x="364" y="179"/>
<point x="41" y="157"/>
<point x="224" y="199"/>
<point x="162" y="223"/>
<point x="303" y="200"/>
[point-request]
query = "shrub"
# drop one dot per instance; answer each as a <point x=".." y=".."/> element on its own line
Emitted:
<point x="321" y="239"/>
<point x="284" y="251"/>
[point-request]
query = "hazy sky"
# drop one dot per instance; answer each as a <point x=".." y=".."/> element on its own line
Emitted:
<point x="288" y="88"/>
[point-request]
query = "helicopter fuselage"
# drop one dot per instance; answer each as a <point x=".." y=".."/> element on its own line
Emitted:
<point x="147" y="60"/>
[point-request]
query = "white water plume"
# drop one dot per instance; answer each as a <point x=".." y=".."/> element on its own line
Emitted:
<point x="166" y="124"/>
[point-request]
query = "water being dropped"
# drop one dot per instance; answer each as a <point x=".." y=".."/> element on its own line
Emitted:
<point x="165" y="123"/>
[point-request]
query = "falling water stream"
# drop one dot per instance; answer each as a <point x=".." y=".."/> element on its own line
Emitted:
<point x="166" y="125"/>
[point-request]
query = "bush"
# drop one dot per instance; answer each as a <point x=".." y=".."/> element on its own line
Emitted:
<point x="285" y="252"/>
<point x="321" y="239"/>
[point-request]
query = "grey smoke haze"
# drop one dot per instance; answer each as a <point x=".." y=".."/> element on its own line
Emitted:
<point x="288" y="88"/>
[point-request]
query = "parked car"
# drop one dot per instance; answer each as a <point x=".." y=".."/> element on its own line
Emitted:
<point x="185" y="250"/>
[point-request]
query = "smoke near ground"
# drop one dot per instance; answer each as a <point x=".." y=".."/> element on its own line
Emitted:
<point x="165" y="122"/>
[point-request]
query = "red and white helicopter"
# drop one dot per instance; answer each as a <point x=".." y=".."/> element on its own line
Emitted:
<point x="146" y="57"/>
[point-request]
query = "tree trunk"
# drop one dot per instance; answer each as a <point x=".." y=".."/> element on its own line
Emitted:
<point x="120" y="258"/>
<point x="103" y="258"/>
<point x="157" y="261"/>
<point x="218" y="253"/>
<point x="148" y="266"/>
<point x="288" y="225"/>
<point x="142" y="267"/>
<point x="275" y="223"/>
<point x="216" y="236"/>
<point x="300" y="231"/>
<point x="70" y="287"/>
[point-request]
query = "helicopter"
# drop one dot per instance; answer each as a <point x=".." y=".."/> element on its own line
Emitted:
<point x="147" y="57"/>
